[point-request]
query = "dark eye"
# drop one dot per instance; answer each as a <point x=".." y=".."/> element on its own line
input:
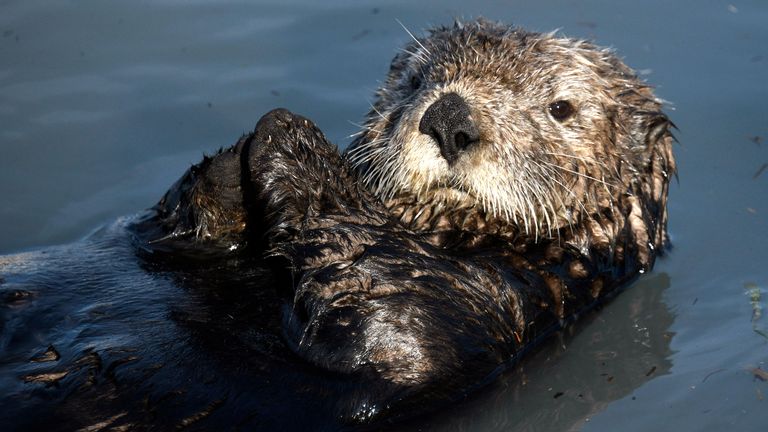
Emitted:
<point x="415" y="82"/>
<point x="561" y="110"/>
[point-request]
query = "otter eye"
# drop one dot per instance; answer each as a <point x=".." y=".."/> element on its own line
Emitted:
<point x="561" y="110"/>
<point x="415" y="82"/>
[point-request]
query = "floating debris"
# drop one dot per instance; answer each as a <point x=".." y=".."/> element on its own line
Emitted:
<point x="759" y="373"/>
<point x="588" y="24"/>
<point x="712" y="373"/>
<point x="760" y="170"/>
<point x="360" y="35"/>
<point x="755" y="293"/>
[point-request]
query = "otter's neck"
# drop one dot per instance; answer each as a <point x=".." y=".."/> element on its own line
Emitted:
<point x="623" y="235"/>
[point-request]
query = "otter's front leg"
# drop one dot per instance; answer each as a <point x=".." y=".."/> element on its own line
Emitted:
<point x="365" y="299"/>
<point x="296" y="175"/>
<point x="252" y="193"/>
<point x="204" y="210"/>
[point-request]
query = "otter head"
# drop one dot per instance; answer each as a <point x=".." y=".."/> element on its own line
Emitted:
<point x="535" y="134"/>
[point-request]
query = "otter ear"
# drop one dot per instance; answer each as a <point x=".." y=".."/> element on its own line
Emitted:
<point x="653" y="134"/>
<point x="658" y="127"/>
<point x="649" y="129"/>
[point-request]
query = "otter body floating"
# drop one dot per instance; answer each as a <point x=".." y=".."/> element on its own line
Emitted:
<point x="505" y="182"/>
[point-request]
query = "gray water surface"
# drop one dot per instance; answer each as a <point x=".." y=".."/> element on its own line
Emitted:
<point x="104" y="104"/>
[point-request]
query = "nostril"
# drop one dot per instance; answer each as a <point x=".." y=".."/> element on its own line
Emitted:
<point x="462" y="140"/>
<point x="434" y="133"/>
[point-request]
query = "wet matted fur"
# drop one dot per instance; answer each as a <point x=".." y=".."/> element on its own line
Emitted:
<point x="279" y="275"/>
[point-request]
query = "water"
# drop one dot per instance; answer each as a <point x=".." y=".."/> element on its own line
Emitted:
<point x="104" y="104"/>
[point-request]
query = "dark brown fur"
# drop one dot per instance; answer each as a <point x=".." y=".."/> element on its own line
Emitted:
<point x="404" y="282"/>
<point x="429" y="289"/>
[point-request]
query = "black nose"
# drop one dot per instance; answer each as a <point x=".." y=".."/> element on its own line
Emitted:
<point x="447" y="121"/>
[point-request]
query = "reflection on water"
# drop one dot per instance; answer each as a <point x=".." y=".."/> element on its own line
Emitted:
<point x="605" y="357"/>
<point x="103" y="105"/>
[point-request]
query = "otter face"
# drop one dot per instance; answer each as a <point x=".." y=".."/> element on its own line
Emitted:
<point x="528" y="129"/>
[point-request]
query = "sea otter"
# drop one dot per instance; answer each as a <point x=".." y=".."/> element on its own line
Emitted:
<point x="505" y="181"/>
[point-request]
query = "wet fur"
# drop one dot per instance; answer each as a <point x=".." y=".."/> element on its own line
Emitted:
<point x="582" y="180"/>
<point x="389" y="283"/>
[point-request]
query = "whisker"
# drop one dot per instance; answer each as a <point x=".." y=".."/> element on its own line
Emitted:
<point x="565" y="188"/>
<point x="380" y="114"/>
<point x="412" y="36"/>
<point x="578" y="174"/>
<point x="580" y="158"/>
<point x="365" y="127"/>
<point x="418" y="55"/>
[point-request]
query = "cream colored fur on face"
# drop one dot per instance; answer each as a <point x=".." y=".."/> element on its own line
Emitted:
<point x="529" y="171"/>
